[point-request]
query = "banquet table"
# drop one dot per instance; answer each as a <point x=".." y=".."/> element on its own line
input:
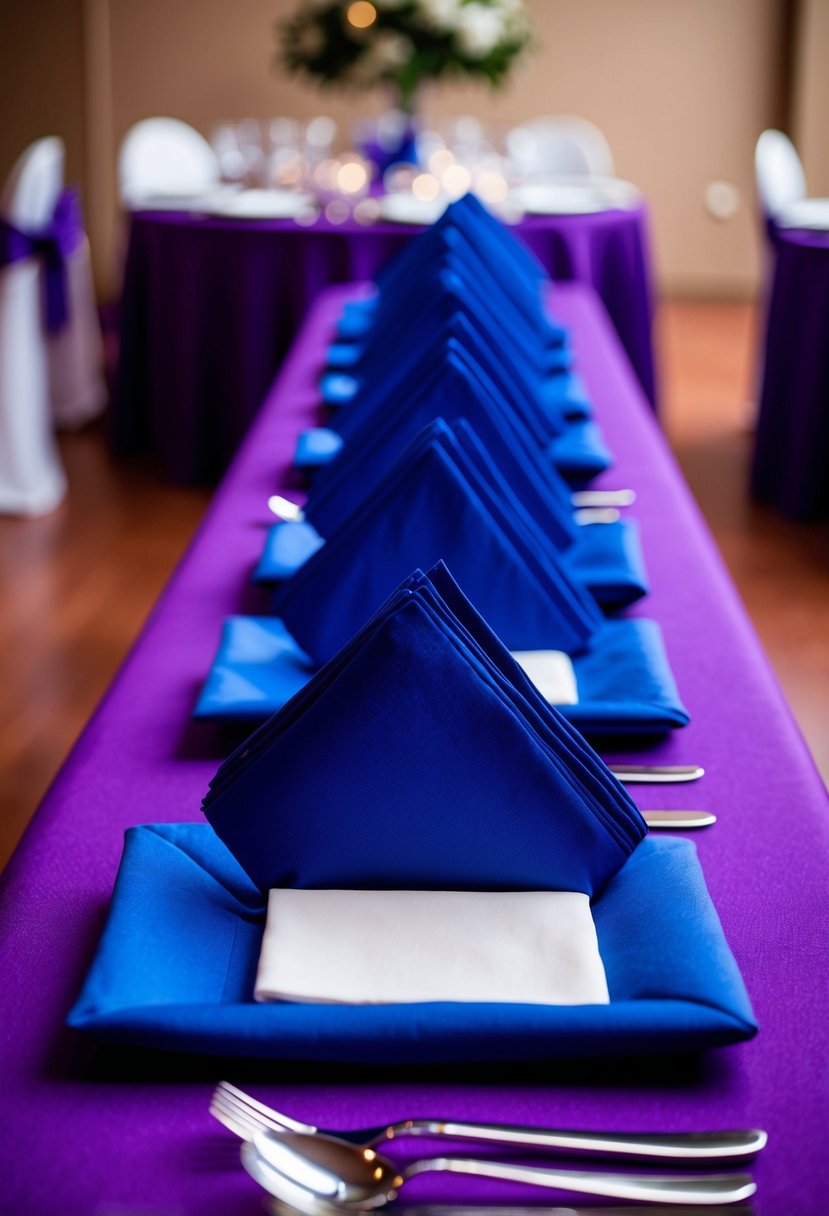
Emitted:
<point x="791" y="453"/>
<point x="210" y="305"/>
<point x="94" y="1129"/>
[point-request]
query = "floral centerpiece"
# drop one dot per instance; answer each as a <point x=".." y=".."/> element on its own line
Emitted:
<point x="361" y="44"/>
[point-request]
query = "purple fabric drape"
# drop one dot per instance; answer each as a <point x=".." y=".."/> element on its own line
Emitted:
<point x="791" y="454"/>
<point x="210" y="307"/>
<point x="53" y="243"/>
<point x="105" y="1130"/>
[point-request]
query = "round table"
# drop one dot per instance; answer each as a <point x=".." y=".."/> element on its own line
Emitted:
<point x="791" y="454"/>
<point x="210" y="306"/>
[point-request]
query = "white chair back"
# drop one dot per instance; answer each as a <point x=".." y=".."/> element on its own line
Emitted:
<point x="563" y="146"/>
<point x="32" y="188"/>
<point x="32" y="481"/>
<point x="778" y="172"/>
<point x="164" y="157"/>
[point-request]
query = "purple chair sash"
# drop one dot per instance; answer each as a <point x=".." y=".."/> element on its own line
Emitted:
<point x="53" y="243"/>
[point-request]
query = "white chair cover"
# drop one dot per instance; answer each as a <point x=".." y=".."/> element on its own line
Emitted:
<point x="563" y="145"/>
<point x="778" y="172"/>
<point x="164" y="157"/>
<point x="32" y="480"/>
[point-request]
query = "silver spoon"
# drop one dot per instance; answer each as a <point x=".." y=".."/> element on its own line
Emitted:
<point x="324" y="1176"/>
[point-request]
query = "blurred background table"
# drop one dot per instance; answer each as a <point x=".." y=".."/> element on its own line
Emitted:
<point x="210" y="306"/>
<point x="791" y="455"/>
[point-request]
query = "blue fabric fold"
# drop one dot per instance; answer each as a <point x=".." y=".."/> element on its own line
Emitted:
<point x="607" y="558"/>
<point x="625" y="684"/>
<point x="432" y="505"/>
<point x="453" y="380"/>
<point x="478" y="738"/>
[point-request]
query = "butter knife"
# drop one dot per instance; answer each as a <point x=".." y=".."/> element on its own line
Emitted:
<point x="678" y="821"/>
<point x="656" y="774"/>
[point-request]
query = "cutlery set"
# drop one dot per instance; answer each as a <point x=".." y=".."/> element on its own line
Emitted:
<point x="321" y="1172"/>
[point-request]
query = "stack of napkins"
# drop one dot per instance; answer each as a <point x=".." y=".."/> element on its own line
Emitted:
<point x="422" y="757"/>
<point x="606" y="558"/>
<point x="440" y="500"/>
<point x="464" y="281"/>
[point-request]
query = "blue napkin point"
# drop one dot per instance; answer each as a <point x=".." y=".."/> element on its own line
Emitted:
<point x="317" y="446"/>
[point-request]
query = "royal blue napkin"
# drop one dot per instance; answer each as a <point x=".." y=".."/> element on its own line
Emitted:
<point x="445" y="314"/>
<point x="432" y="505"/>
<point x="443" y="768"/>
<point x="578" y="452"/>
<point x="605" y="558"/>
<point x="402" y="323"/>
<point x="625" y="685"/>
<point x="176" y="963"/>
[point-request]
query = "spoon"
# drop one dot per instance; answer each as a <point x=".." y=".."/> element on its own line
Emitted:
<point x="323" y="1176"/>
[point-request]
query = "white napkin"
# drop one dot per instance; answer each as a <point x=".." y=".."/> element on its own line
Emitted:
<point x="552" y="673"/>
<point x="386" y="947"/>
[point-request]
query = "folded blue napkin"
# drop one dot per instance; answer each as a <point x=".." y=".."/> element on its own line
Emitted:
<point x="560" y="397"/>
<point x="478" y="781"/>
<point x="519" y="271"/>
<point x="605" y="558"/>
<point x="453" y="381"/>
<point x="555" y="387"/>
<point x="176" y="963"/>
<point x="430" y="505"/>
<point x="625" y="685"/>
<point x="402" y="322"/>
<point x="453" y="387"/>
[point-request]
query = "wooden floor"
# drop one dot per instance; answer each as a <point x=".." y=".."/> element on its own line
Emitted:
<point x="78" y="584"/>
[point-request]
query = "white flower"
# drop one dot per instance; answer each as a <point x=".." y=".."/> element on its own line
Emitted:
<point x="439" y="15"/>
<point x="479" y="29"/>
<point x="391" y="50"/>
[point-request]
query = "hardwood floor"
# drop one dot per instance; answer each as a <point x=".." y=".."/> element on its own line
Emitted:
<point x="78" y="584"/>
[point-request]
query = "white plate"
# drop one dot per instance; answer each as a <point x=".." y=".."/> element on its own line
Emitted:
<point x="401" y="207"/>
<point x="184" y="200"/>
<point x="575" y="196"/>
<point x="263" y="205"/>
<point x="805" y="213"/>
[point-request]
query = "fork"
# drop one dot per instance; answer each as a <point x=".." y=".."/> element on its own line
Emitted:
<point x="244" y="1116"/>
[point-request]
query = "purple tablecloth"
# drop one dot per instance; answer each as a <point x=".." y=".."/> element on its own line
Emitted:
<point x="101" y="1132"/>
<point x="791" y="454"/>
<point x="210" y="307"/>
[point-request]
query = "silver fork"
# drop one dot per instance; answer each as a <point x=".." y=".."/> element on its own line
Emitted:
<point x="244" y="1116"/>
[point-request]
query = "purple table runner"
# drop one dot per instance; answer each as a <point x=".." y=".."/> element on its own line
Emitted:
<point x="93" y="1132"/>
<point x="210" y="306"/>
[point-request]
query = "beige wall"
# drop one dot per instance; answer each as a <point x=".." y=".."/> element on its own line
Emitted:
<point x="41" y="81"/>
<point x="681" y="88"/>
<point x="810" y="117"/>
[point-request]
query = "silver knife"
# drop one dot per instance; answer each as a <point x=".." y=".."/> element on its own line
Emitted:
<point x="650" y="1209"/>
<point x="656" y="773"/>
<point x="678" y="821"/>
<point x="603" y="498"/>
